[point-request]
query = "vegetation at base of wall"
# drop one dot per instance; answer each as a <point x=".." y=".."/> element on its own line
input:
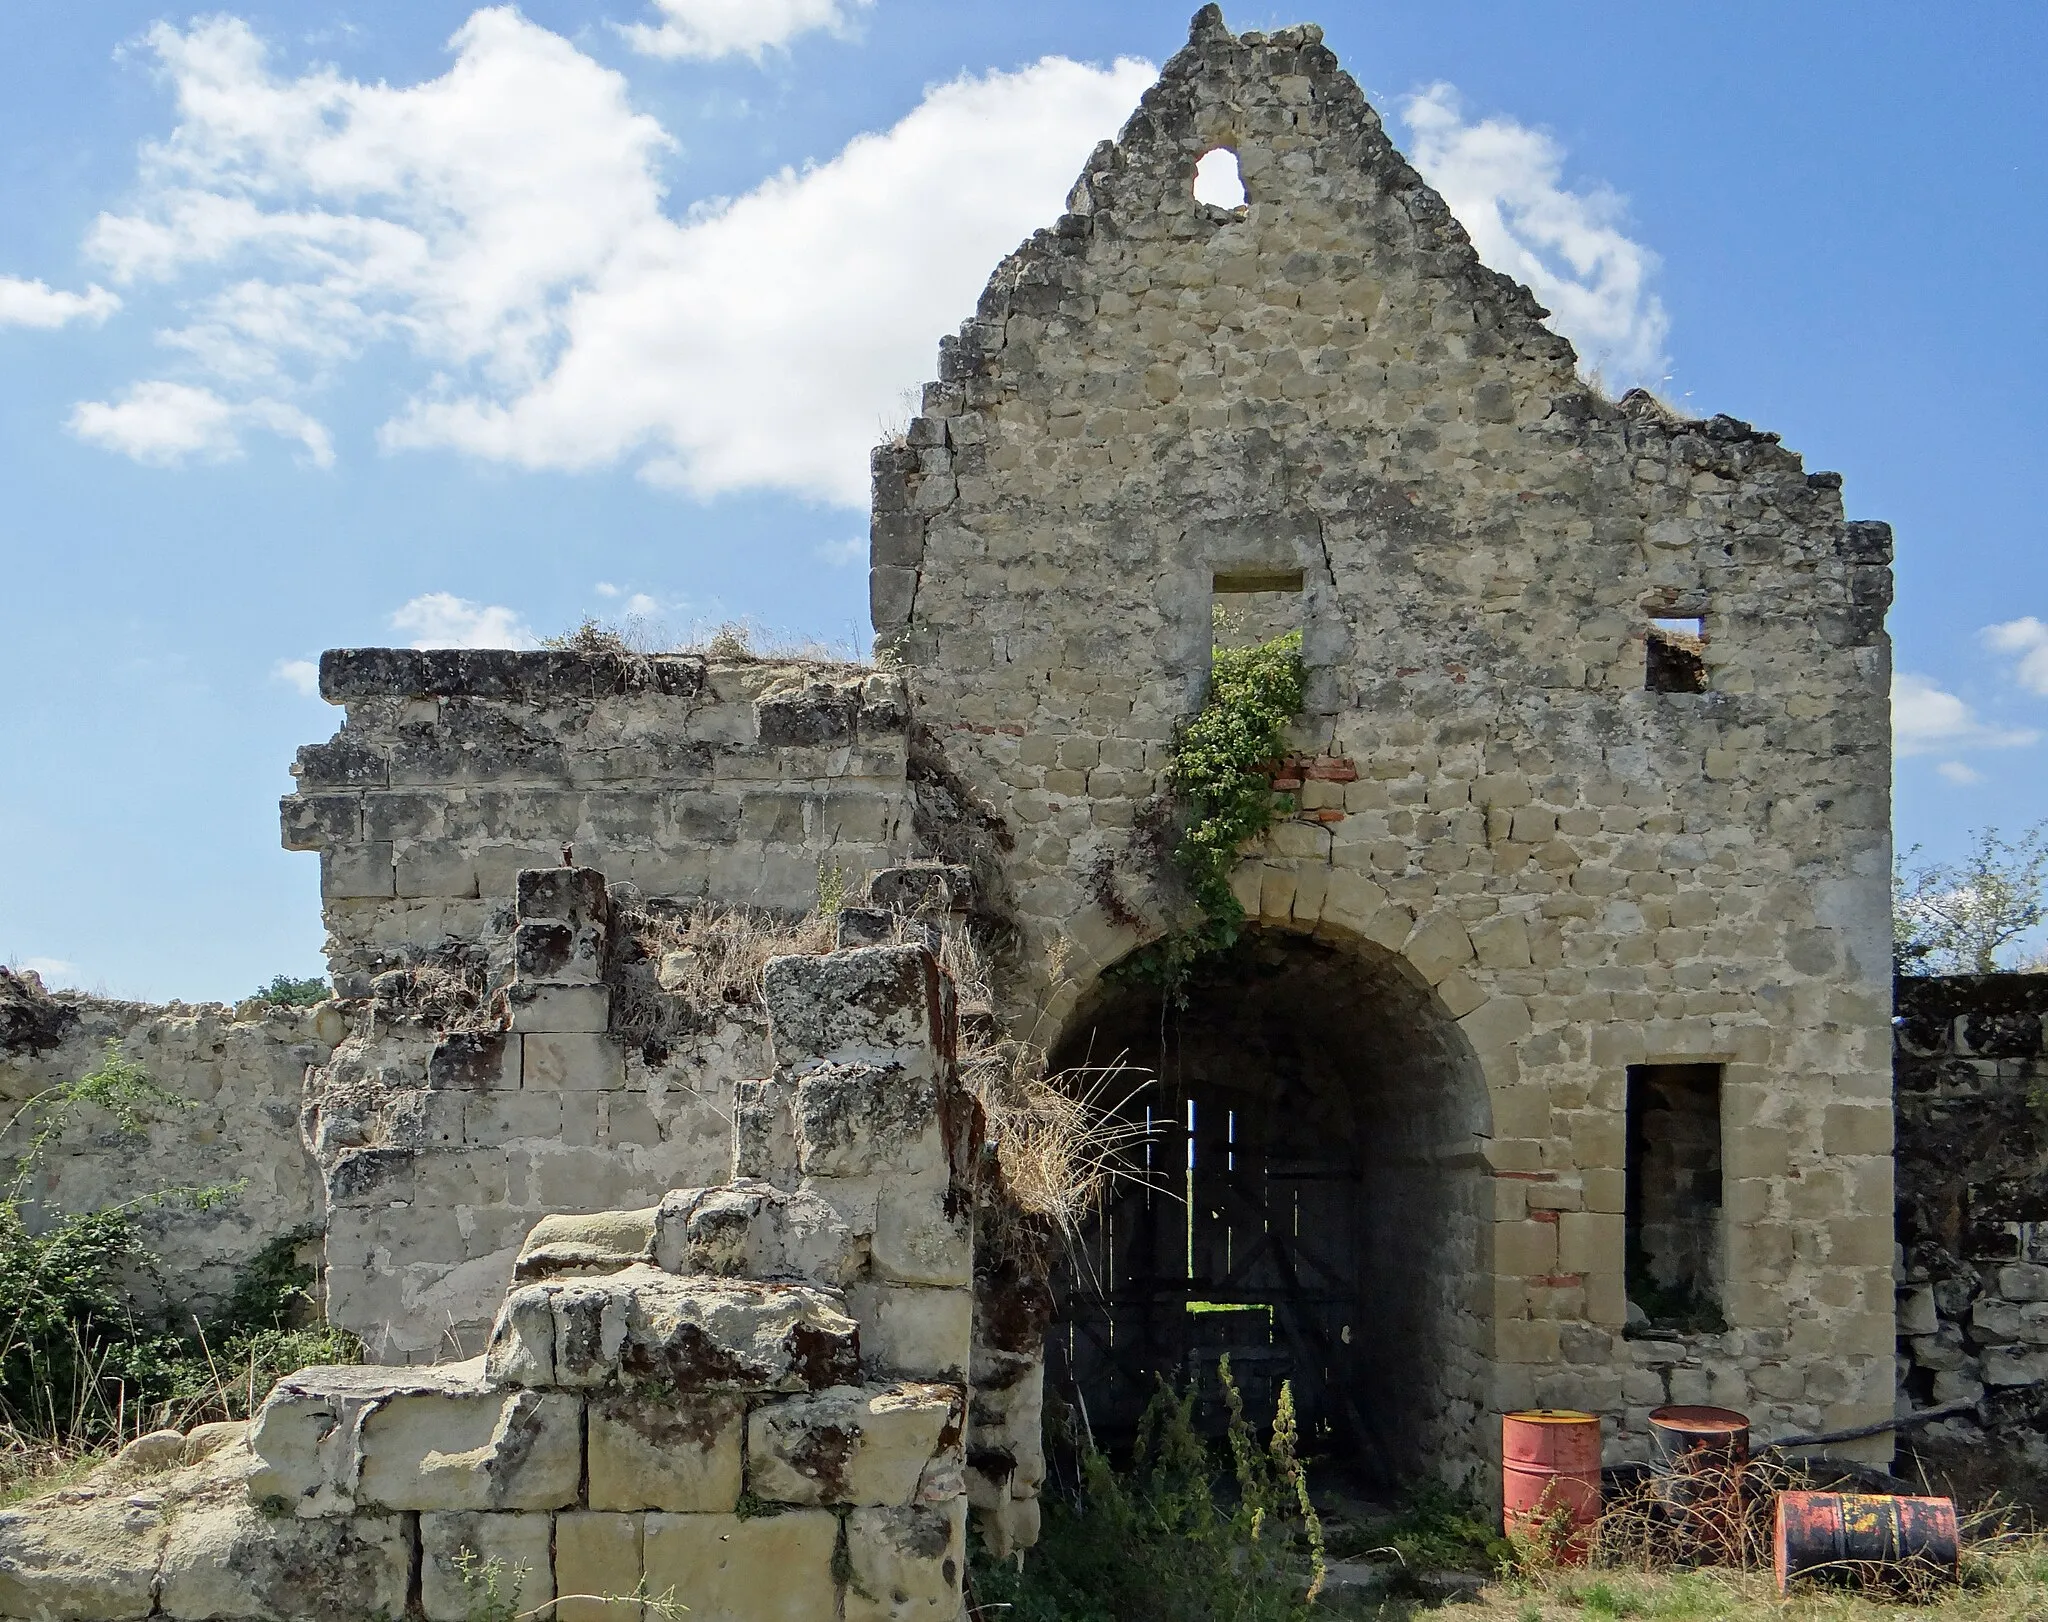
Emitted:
<point x="1159" y="1544"/>
<point x="1960" y="917"/>
<point x="1221" y="782"/>
<point x="285" y="992"/>
<point x="81" y="1366"/>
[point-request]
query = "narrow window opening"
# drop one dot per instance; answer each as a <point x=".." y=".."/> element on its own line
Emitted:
<point x="1250" y="606"/>
<point x="1672" y="1233"/>
<point x="1218" y="181"/>
<point x="1675" y="656"/>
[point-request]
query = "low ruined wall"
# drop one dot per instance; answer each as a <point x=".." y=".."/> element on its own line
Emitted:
<point x="1972" y="1107"/>
<point x="748" y="1400"/>
<point x="689" y="778"/>
<point x="242" y="1079"/>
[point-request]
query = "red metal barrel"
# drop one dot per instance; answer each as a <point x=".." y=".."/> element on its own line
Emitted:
<point x="1687" y="1436"/>
<point x="1856" y="1536"/>
<point x="1550" y="1478"/>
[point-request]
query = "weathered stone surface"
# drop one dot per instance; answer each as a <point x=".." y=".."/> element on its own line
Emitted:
<point x="906" y="1563"/>
<point x="923" y="1233"/>
<point x="651" y="1450"/>
<point x="491" y="1450"/>
<point x="228" y="1562"/>
<point x="851" y="1444"/>
<point x="869" y="1005"/>
<point x="853" y="1120"/>
<point x="751" y="1229"/>
<point x="602" y="1242"/>
<point x="464" y="1556"/>
<point x="597" y="1562"/>
<point x="912" y="1333"/>
<point x="694" y="1334"/>
<point x="96" y="1560"/>
<point x="307" y="1436"/>
<point x="763" y="1568"/>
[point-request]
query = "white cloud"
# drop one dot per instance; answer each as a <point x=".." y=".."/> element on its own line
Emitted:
<point x="165" y="423"/>
<point x="843" y="554"/>
<point x="703" y="29"/>
<point x="37" y="304"/>
<point x="51" y="970"/>
<point x="440" y="619"/>
<point x="2026" y="640"/>
<point x="506" y="223"/>
<point x="1928" y="721"/>
<point x="303" y="674"/>
<point x="1505" y="184"/>
<point x="1956" y="772"/>
<point x="605" y="588"/>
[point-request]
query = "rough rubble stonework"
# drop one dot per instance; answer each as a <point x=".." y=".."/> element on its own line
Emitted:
<point x="731" y="1400"/>
<point x="1155" y="393"/>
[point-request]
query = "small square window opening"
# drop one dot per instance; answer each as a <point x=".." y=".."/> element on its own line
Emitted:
<point x="1250" y="606"/>
<point x="1675" y="656"/>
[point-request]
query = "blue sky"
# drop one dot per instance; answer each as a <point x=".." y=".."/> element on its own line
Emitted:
<point x="376" y="322"/>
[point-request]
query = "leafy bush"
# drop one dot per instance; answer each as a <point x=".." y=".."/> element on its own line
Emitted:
<point x="285" y="992"/>
<point x="1955" y="918"/>
<point x="1155" y="1545"/>
<point x="1221" y="781"/>
<point x="79" y="1365"/>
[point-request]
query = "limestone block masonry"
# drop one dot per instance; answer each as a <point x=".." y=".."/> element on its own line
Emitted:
<point x="750" y="1400"/>
<point x="1158" y="401"/>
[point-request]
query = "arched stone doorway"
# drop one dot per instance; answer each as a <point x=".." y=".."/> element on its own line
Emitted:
<point x="1315" y="1204"/>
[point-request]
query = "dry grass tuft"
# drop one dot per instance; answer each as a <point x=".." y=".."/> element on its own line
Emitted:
<point x="1061" y="1141"/>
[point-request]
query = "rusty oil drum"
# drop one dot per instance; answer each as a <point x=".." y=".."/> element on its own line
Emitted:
<point x="1700" y="1453"/>
<point x="1846" y="1535"/>
<point x="1550" y="1467"/>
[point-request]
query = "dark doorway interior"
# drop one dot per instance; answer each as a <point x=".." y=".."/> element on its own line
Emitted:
<point x="1312" y="1205"/>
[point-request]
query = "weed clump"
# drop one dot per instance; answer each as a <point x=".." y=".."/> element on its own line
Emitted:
<point x="1160" y="1544"/>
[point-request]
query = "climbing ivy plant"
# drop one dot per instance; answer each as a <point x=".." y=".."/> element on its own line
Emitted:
<point x="1221" y="781"/>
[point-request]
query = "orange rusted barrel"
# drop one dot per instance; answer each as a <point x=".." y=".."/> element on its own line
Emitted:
<point x="1857" y="1537"/>
<point x="1550" y="1478"/>
<point x="1687" y="1435"/>
<point x="1699" y="1457"/>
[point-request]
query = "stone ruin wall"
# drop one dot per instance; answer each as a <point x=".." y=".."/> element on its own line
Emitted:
<point x="753" y="1398"/>
<point x="1155" y="393"/>
<point x="684" y="780"/>
<point x="242" y="1073"/>
<point x="1973" y="1231"/>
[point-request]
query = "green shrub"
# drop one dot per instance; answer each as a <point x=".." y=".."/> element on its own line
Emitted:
<point x="1156" y="1545"/>
<point x="285" y="992"/>
<point x="80" y="1366"/>
<point x="1221" y="781"/>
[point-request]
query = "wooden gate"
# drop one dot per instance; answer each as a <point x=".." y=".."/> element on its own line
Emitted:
<point x="1244" y="1237"/>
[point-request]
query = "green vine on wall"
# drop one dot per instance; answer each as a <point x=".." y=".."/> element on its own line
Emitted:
<point x="1221" y="781"/>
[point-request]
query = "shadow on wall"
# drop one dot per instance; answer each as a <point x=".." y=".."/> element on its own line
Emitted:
<point x="1313" y="1204"/>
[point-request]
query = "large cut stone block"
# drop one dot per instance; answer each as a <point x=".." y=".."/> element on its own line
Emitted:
<point x="856" y="1119"/>
<point x="602" y="1242"/>
<point x="491" y="1450"/>
<point x="546" y="1006"/>
<point x="913" y="1333"/>
<point x="751" y="1229"/>
<point x="307" y="1436"/>
<point x="692" y="1334"/>
<point x="906" y="1563"/>
<point x="572" y="1061"/>
<point x="229" y="1562"/>
<point x="649" y="1450"/>
<point x="95" y="1560"/>
<point x="484" y="1565"/>
<point x="924" y="1234"/>
<point x="875" y="1004"/>
<point x="597" y="1563"/>
<point x="852" y="1444"/>
<point x="764" y="1568"/>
